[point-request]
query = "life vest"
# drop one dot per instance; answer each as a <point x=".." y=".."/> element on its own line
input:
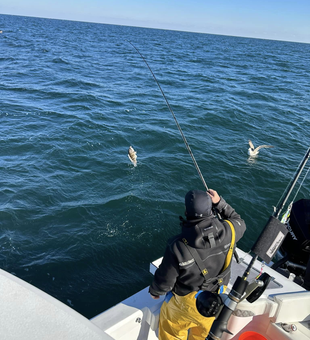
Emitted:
<point x="214" y="283"/>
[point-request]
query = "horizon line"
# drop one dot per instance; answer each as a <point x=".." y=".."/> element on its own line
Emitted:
<point x="156" y="28"/>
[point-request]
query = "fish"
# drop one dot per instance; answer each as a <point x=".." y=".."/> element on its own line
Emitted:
<point x="132" y="155"/>
<point x="252" y="151"/>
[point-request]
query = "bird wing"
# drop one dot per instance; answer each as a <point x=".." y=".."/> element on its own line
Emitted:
<point x="251" y="145"/>
<point x="264" y="146"/>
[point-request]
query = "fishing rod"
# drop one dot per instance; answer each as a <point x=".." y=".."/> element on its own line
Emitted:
<point x="182" y="134"/>
<point x="265" y="247"/>
<point x="274" y="232"/>
<point x="174" y="117"/>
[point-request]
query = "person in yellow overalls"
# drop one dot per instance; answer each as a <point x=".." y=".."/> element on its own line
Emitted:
<point x="205" y="240"/>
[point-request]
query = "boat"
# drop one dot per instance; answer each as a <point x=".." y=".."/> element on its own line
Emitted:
<point x="27" y="313"/>
<point x="274" y="305"/>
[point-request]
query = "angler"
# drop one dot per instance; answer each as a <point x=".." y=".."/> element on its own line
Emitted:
<point x="198" y="259"/>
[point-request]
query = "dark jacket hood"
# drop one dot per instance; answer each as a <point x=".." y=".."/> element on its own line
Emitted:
<point x="198" y="232"/>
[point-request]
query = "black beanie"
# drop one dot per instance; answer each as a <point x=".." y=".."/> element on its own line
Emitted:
<point x="198" y="204"/>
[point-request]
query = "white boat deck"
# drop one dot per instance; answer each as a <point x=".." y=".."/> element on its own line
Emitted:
<point x="27" y="313"/>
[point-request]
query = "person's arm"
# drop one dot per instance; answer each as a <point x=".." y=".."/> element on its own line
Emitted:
<point x="227" y="212"/>
<point x="166" y="275"/>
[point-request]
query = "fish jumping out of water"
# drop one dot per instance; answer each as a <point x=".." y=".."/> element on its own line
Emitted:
<point x="252" y="151"/>
<point x="132" y="155"/>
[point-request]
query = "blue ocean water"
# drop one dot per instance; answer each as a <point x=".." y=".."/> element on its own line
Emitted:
<point x="77" y="219"/>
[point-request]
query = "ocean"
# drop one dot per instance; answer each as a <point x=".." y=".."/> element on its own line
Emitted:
<point x="78" y="220"/>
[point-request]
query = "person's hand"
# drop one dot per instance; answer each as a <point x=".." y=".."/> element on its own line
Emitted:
<point x="155" y="297"/>
<point x="214" y="196"/>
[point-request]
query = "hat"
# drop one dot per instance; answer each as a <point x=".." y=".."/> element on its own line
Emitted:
<point x="198" y="204"/>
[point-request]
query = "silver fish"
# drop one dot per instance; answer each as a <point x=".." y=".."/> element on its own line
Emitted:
<point x="132" y="155"/>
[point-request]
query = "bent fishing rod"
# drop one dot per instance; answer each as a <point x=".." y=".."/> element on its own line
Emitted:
<point x="174" y="117"/>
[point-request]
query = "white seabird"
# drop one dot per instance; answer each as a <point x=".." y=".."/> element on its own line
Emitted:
<point x="252" y="151"/>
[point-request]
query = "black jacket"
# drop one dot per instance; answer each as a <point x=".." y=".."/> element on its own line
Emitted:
<point x="211" y="237"/>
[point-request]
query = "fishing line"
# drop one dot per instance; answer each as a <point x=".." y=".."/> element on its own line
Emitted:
<point x="174" y="117"/>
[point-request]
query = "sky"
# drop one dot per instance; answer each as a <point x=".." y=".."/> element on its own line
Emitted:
<point x="287" y="20"/>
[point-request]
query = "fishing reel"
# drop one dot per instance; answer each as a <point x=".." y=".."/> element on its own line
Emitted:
<point x="209" y="304"/>
<point x="222" y="306"/>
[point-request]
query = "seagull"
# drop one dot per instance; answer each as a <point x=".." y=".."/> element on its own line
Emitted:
<point x="254" y="151"/>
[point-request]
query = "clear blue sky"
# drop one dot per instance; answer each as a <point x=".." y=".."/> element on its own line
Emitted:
<point x="268" y="19"/>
